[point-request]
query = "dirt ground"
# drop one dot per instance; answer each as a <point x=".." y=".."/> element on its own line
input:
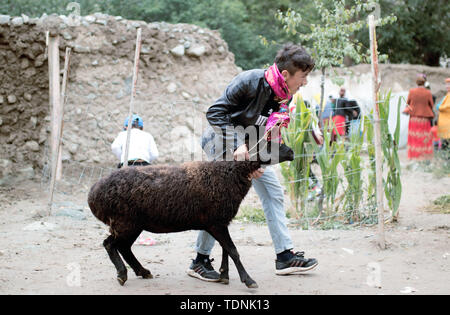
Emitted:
<point x="64" y="255"/>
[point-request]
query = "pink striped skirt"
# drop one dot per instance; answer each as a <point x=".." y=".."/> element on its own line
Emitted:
<point x="420" y="139"/>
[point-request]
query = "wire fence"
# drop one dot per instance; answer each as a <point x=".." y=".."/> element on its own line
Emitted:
<point x="340" y="212"/>
<point x="78" y="176"/>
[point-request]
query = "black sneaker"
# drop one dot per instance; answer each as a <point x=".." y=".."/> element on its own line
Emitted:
<point x="297" y="263"/>
<point x="203" y="270"/>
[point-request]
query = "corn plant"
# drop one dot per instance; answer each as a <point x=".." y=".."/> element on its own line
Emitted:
<point x="329" y="157"/>
<point x="296" y="173"/>
<point x="371" y="180"/>
<point x="353" y="173"/>
<point x="389" y="145"/>
<point x="332" y="156"/>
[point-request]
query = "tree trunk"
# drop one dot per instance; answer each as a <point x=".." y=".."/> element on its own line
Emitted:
<point x="431" y="58"/>
<point x="348" y="61"/>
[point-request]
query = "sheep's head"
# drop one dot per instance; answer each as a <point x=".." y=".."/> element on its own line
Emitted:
<point x="271" y="152"/>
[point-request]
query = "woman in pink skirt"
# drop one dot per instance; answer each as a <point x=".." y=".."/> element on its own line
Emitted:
<point x="420" y="109"/>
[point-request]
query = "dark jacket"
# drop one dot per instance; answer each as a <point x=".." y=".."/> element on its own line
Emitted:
<point x="354" y="109"/>
<point x="243" y="100"/>
<point x="242" y="104"/>
<point x="341" y="108"/>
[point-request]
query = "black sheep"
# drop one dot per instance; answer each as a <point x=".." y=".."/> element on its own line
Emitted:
<point x="163" y="199"/>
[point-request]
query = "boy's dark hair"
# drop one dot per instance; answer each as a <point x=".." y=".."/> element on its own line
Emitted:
<point x="293" y="58"/>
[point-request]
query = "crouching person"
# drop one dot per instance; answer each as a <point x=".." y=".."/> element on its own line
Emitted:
<point x="251" y="99"/>
<point x="142" y="148"/>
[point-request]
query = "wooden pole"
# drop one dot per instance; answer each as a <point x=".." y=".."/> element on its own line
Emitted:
<point x="133" y="92"/>
<point x="55" y="105"/>
<point x="377" y="131"/>
<point x="63" y="104"/>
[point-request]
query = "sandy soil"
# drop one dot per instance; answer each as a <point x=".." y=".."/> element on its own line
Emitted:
<point x="66" y="256"/>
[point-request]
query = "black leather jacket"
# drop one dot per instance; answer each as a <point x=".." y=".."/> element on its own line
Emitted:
<point x="241" y="104"/>
<point x="243" y="100"/>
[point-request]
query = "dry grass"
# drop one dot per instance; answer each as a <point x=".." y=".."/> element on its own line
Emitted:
<point x="441" y="205"/>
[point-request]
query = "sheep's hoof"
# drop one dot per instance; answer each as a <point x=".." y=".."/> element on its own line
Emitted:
<point x="224" y="280"/>
<point x="145" y="274"/>
<point x="122" y="278"/>
<point x="251" y="284"/>
<point x="149" y="276"/>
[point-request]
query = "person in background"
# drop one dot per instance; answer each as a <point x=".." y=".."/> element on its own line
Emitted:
<point x="437" y="143"/>
<point x="343" y="93"/>
<point x="355" y="117"/>
<point x="428" y="87"/>
<point x="328" y="111"/>
<point x="443" y="108"/>
<point x="142" y="147"/>
<point x="434" y="120"/>
<point x="420" y="110"/>
<point x="340" y="115"/>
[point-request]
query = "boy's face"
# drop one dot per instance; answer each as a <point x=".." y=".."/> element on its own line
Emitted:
<point x="296" y="81"/>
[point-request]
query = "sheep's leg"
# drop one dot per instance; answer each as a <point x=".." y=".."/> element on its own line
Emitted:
<point x="110" y="245"/>
<point x="222" y="235"/>
<point x="124" y="247"/>
<point x="224" y="277"/>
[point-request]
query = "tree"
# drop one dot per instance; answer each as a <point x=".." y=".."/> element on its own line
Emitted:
<point x="421" y="34"/>
<point x="331" y="38"/>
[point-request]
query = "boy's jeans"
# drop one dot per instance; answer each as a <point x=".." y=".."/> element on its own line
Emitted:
<point x="270" y="193"/>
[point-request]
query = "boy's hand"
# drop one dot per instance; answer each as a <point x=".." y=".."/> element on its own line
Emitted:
<point x="319" y="139"/>
<point x="241" y="153"/>
<point x="256" y="174"/>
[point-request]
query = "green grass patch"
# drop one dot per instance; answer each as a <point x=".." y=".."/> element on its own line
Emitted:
<point x="251" y="214"/>
<point x="442" y="204"/>
<point x="441" y="164"/>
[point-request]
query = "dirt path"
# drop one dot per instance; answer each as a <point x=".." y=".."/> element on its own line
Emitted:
<point x="66" y="256"/>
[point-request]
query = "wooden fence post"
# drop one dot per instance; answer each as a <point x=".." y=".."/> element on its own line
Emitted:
<point x="63" y="104"/>
<point x="133" y="92"/>
<point x="55" y="105"/>
<point x="377" y="133"/>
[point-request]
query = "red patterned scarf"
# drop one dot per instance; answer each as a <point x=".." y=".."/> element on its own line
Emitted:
<point x="278" y="84"/>
<point x="283" y="95"/>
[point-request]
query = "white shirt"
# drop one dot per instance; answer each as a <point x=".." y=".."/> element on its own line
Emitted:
<point x="142" y="146"/>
